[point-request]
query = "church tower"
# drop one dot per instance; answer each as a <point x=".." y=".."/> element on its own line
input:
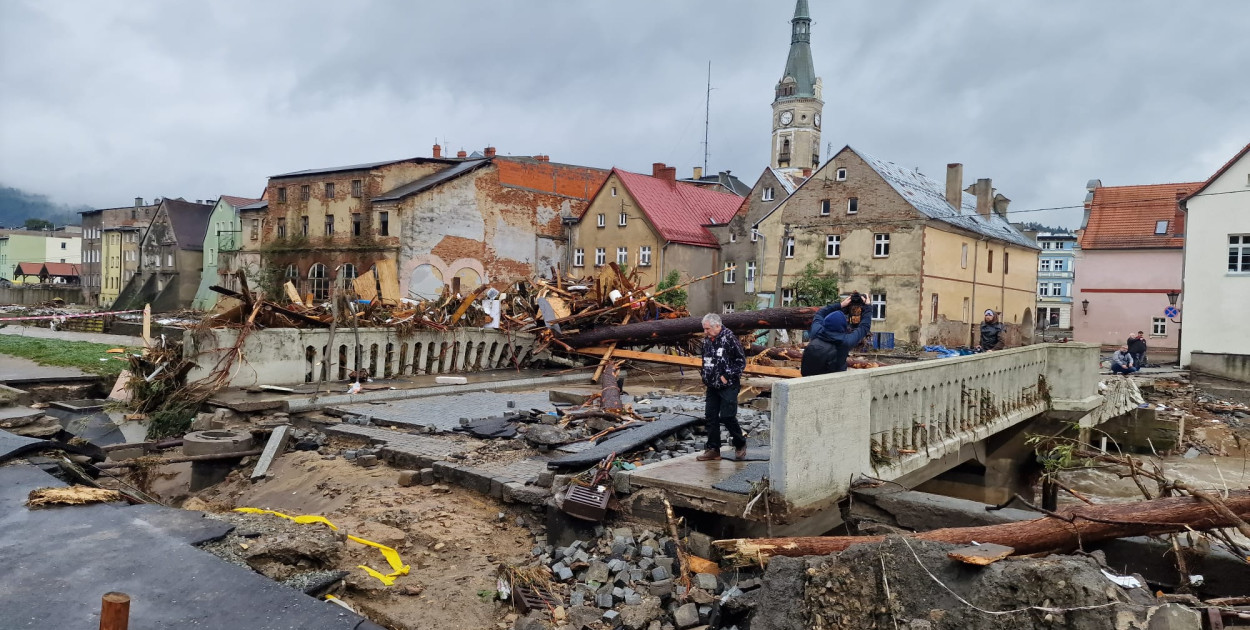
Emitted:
<point x="797" y="105"/>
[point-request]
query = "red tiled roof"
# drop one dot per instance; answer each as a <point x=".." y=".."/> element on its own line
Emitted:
<point x="1124" y="217"/>
<point x="28" y="269"/>
<point x="679" y="211"/>
<point x="238" y="202"/>
<point x="1227" y="165"/>
<point x="61" y="269"/>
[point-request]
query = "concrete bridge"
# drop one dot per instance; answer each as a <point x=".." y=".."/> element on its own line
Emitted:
<point x="904" y="424"/>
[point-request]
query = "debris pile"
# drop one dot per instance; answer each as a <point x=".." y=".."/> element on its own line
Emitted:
<point x="622" y="578"/>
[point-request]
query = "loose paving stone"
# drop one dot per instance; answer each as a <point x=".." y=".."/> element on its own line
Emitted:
<point x="604" y="600"/>
<point x="409" y="477"/>
<point x="705" y="581"/>
<point x="686" y="616"/>
<point x="612" y="618"/>
<point x="659" y="574"/>
<point x="598" y="572"/>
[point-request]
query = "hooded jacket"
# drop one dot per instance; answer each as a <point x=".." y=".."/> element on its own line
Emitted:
<point x="831" y="341"/>
<point x="991" y="334"/>
<point x="723" y="356"/>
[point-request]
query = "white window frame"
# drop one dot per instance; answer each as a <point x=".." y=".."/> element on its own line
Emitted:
<point x="579" y="257"/>
<point x="622" y="256"/>
<point x="852" y="205"/>
<point x="963" y="256"/>
<point x="833" y="245"/>
<point x="767" y="194"/>
<point x="644" y="256"/>
<point x="787" y="297"/>
<point x="790" y="247"/>
<point x="601" y="256"/>
<point x="878" y="306"/>
<point x="727" y="307"/>
<point x="755" y="236"/>
<point x="1158" y="327"/>
<point x="840" y="175"/>
<point x="614" y="191"/>
<point x="603" y="220"/>
<point x="881" y="245"/>
<point x="1239" y="254"/>
<point x="169" y="260"/>
<point x="825" y="204"/>
<point x="1044" y="265"/>
<point x="733" y="238"/>
<point x="1161" y="227"/>
<point x="622" y="219"/>
<point x="730" y="273"/>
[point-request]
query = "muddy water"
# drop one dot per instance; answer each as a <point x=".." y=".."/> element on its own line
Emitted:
<point x="1204" y="471"/>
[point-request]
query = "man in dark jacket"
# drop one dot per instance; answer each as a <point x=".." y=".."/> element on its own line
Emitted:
<point x="991" y="331"/>
<point x="830" y="341"/>
<point x="723" y="362"/>
<point x="1137" y="348"/>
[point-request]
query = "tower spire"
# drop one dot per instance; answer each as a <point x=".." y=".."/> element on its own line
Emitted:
<point x="797" y="101"/>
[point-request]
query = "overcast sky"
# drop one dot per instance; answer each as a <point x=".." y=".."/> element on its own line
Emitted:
<point x="105" y="100"/>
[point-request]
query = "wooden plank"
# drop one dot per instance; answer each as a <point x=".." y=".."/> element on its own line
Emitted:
<point x="388" y="280"/>
<point x="981" y="555"/>
<point x="292" y="294"/>
<point x="755" y="370"/>
<point x="607" y="356"/>
<point x="366" y="286"/>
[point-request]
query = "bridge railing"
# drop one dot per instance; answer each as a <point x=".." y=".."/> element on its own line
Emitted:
<point x="885" y="422"/>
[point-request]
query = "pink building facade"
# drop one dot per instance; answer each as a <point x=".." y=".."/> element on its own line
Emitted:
<point x="1118" y="292"/>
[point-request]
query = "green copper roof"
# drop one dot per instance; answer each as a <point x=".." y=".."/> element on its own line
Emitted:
<point x="799" y="64"/>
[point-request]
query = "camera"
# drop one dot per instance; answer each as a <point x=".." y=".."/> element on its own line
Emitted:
<point x="857" y="299"/>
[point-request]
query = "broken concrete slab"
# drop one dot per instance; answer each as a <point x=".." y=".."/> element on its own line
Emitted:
<point x="740" y="482"/>
<point x="273" y="448"/>
<point x="626" y="441"/>
<point x="488" y="428"/>
<point x="173" y="584"/>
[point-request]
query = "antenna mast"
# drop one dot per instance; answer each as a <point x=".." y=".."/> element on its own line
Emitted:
<point x="707" y="114"/>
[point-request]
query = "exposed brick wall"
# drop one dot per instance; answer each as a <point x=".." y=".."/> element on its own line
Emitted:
<point x="579" y="182"/>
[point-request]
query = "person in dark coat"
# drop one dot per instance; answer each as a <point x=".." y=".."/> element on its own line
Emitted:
<point x="991" y="331"/>
<point x="1137" y="347"/>
<point x="831" y="341"/>
<point x="723" y="362"/>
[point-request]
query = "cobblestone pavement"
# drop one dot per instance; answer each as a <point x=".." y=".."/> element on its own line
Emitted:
<point x="443" y="413"/>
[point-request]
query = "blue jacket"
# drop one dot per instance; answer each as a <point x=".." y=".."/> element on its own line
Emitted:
<point x="827" y="350"/>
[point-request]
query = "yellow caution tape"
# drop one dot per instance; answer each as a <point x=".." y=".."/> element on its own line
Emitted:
<point x="398" y="567"/>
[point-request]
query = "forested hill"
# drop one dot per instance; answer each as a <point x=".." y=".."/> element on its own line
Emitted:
<point x="17" y="205"/>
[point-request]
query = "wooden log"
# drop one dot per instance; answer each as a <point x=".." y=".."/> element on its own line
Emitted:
<point x="1072" y="527"/>
<point x="694" y="362"/>
<point x="670" y="330"/>
<point x="115" y="611"/>
<point x="611" y="400"/>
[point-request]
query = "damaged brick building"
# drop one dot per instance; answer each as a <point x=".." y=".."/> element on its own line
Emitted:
<point x="459" y="221"/>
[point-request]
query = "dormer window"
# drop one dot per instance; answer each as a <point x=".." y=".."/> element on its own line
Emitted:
<point x="1161" y="227"/>
<point x="840" y="175"/>
<point x="767" y="194"/>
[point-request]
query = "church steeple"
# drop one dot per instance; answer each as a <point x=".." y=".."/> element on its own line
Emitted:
<point x="796" y="102"/>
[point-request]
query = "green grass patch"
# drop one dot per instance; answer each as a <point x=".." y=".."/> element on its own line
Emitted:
<point x="75" y="354"/>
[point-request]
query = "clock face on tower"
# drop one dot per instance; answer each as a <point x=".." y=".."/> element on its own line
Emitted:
<point x="787" y="117"/>
<point x="817" y="120"/>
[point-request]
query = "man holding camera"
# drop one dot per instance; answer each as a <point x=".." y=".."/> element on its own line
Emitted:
<point x="1137" y="348"/>
<point x="832" y="337"/>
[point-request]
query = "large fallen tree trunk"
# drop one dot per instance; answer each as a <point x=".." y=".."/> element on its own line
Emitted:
<point x="668" y="330"/>
<point x="1068" y="530"/>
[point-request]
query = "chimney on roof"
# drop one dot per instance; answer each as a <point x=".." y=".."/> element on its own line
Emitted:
<point x="669" y="174"/>
<point x="543" y="158"/>
<point x="954" y="184"/>
<point x="438" y="150"/>
<point x="698" y="172"/>
<point x="138" y="201"/>
<point x="984" y="191"/>
<point x="1000" y="205"/>
<point x="462" y="154"/>
<point x="656" y="168"/>
<point x="489" y="152"/>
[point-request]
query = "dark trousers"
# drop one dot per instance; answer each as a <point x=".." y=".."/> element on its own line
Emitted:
<point x="1116" y="368"/>
<point x="720" y="406"/>
<point x="1139" y="359"/>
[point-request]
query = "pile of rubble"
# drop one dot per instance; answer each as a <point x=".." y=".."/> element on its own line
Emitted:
<point x="625" y="579"/>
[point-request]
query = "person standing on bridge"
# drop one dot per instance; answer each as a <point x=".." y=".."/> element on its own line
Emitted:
<point x="1137" y="348"/>
<point x="723" y="362"/>
<point x="991" y="332"/>
<point x="830" y="341"/>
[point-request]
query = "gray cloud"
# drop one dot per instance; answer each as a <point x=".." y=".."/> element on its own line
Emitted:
<point x="102" y="102"/>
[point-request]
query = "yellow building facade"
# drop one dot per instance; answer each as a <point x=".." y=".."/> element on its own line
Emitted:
<point x="932" y="258"/>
